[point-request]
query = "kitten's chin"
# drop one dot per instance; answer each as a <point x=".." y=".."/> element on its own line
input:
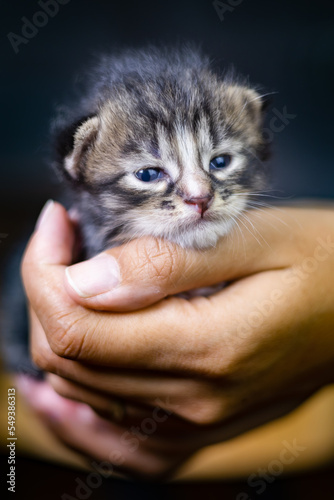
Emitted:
<point x="202" y="236"/>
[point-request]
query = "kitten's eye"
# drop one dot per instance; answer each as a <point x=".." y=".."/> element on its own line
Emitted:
<point x="149" y="174"/>
<point x="220" y="162"/>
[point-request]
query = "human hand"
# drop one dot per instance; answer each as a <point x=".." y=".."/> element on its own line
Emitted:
<point x="219" y="357"/>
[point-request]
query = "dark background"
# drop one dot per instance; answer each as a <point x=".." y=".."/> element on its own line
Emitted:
<point x="287" y="46"/>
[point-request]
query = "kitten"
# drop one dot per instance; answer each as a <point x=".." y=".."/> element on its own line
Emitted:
<point x="161" y="144"/>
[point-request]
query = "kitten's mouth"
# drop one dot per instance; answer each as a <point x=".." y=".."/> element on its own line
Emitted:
<point x="202" y="219"/>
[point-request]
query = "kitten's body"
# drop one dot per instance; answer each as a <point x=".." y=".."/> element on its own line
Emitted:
<point x="171" y="113"/>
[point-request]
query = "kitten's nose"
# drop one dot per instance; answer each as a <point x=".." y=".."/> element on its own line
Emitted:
<point x="201" y="203"/>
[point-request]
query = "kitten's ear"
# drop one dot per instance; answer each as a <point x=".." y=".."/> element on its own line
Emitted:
<point x="248" y="110"/>
<point x="73" y="143"/>
<point x="249" y="100"/>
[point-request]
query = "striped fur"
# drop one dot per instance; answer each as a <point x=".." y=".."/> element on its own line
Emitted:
<point x="164" y="109"/>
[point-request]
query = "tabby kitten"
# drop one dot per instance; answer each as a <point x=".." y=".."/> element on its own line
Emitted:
<point x="161" y="144"/>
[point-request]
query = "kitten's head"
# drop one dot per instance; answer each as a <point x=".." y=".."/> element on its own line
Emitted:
<point x="169" y="149"/>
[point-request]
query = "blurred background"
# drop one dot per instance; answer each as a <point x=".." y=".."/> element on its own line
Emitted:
<point x="286" y="46"/>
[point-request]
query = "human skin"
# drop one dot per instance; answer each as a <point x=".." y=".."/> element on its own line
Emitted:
<point x="194" y="371"/>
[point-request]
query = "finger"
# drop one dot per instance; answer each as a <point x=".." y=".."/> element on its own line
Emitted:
<point x="144" y="271"/>
<point x="77" y="426"/>
<point x="187" y="399"/>
<point x="119" y="383"/>
<point x="195" y="401"/>
<point x="49" y="250"/>
<point x="123" y="411"/>
<point x="107" y="406"/>
<point x="58" y="235"/>
<point x="131" y="450"/>
<point x="203" y="340"/>
<point x="102" y="390"/>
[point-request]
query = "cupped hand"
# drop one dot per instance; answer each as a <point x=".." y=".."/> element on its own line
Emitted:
<point x="227" y="362"/>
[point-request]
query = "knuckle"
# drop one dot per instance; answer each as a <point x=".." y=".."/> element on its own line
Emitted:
<point x="204" y="404"/>
<point x="159" y="259"/>
<point x="66" y="335"/>
<point x="204" y="413"/>
<point x="60" y="386"/>
<point x="42" y="356"/>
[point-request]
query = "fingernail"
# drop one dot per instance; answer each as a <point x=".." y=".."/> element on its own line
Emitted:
<point x="95" y="276"/>
<point x="43" y="216"/>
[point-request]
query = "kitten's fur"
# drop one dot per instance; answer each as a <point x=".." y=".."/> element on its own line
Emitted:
<point x="167" y="109"/>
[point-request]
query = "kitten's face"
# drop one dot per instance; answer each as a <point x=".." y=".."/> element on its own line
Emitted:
<point x="179" y="170"/>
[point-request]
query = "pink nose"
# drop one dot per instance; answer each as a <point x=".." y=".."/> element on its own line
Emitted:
<point x="201" y="204"/>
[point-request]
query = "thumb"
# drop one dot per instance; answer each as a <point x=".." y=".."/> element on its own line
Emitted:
<point x="146" y="270"/>
<point x="52" y="244"/>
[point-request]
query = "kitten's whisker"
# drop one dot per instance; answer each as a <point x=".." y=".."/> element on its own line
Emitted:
<point x="248" y="229"/>
<point x="262" y="195"/>
<point x="284" y="212"/>
<point x="262" y="208"/>
<point x="263" y="95"/>
<point x="278" y="219"/>
<point x="255" y="229"/>
<point x="260" y="217"/>
<point x="239" y="232"/>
